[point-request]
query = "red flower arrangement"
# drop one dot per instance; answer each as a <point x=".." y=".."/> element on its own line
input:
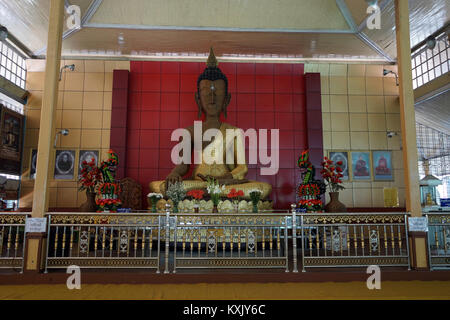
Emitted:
<point x="332" y="174"/>
<point x="235" y="194"/>
<point x="311" y="204"/>
<point x="311" y="189"/>
<point x="90" y="176"/>
<point x="110" y="204"/>
<point x="196" y="194"/>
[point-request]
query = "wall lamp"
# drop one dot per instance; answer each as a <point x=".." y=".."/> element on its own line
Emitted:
<point x="386" y="72"/>
<point x="64" y="132"/>
<point x="70" y="67"/>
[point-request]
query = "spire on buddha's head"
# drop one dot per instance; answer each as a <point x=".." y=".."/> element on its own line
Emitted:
<point x="212" y="72"/>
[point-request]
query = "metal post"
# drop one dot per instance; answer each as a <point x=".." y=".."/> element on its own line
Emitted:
<point x="407" y="242"/>
<point x="303" y="244"/>
<point x="429" y="245"/>
<point x="294" y="237"/>
<point x="166" y="269"/>
<point x="48" y="243"/>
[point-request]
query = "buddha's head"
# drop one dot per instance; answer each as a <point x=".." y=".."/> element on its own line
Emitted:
<point x="212" y="95"/>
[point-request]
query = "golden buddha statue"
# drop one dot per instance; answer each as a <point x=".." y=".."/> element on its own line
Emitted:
<point x="212" y="98"/>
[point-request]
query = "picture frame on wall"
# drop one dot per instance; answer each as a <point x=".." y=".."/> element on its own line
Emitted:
<point x="86" y="155"/>
<point x="382" y="165"/>
<point x="361" y="165"/>
<point x="64" y="165"/>
<point x="33" y="164"/>
<point x="336" y="156"/>
<point x="11" y="140"/>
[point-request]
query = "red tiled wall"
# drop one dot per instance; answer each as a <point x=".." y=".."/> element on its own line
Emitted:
<point x="161" y="98"/>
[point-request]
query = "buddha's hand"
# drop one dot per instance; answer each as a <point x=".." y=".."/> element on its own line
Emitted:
<point x="173" y="177"/>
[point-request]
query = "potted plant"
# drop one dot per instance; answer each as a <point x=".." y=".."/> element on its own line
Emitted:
<point x="214" y="190"/>
<point x="89" y="179"/>
<point x="196" y="195"/>
<point x="255" y="196"/>
<point x="176" y="193"/>
<point x="332" y="175"/>
<point x="234" y="195"/>
<point x="154" y="197"/>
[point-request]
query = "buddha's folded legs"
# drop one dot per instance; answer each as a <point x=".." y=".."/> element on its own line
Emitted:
<point x="265" y="188"/>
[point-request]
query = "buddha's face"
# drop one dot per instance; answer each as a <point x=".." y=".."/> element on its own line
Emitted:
<point x="213" y="98"/>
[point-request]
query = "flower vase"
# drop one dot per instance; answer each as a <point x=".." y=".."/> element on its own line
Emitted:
<point x="175" y="207"/>
<point x="255" y="208"/>
<point x="215" y="210"/>
<point x="152" y="203"/>
<point x="236" y="207"/>
<point x="196" y="208"/>
<point x="335" y="205"/>
<point x="89" y="205"/>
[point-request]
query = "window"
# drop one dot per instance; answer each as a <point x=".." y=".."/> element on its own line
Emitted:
<point x="429" y="64"/>
<point x="12" y="65"/>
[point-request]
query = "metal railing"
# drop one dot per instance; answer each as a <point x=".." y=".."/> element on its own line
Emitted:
<point x="277" y="240"/>
<point x="231" y="241"/>
<point x="104" y="240"/>
<point x="12" y="240"/>
<point x="439" y="240"/>
<point x="351" y="240"/>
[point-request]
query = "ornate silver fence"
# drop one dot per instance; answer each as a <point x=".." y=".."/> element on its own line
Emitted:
<point x="439" y="240"/>
<point x="231" y="240"/>
<point x="104" y="240"/>
<point x="12" y="240"/>
<point x="351" y="240"/>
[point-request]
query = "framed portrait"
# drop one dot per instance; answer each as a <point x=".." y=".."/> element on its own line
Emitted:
<point x="361" y="165"/>
<point x="382" y="165"/>
<point x="11" y="136"/>
<point x="336" y="156"/>
<point x="33" y="164"/>
<point x="87" y="155"/>
<point x="64" y="165"/>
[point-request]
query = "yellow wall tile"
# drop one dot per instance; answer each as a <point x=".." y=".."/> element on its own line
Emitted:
<point x="94" y="81"/>
<point x="93" y="101"/>
<point x="62" y="81"/>
<point x="356" y="70"/>
<point x="107" y="100"/>
<point x="108" y="82"/>
<point x="58" y="119"/>
<point x="377" y="197"/>
<point x="326" y="140"/>
<point x="73" y="100"/>
<point x="377" y="140"/>
<point x="106" y="123"/>
<point x="356" y="85"/>
<point x="35" y="100"/>
<point x="359" y="140"/>
<point x="358" y="122"/>
<point x="33" y="118"/>
<point x="31" y="137"/>
<point x="377" y="122"/>
<point x="71" y="119"/>
<point x="338" y="70"/>
<point x="26" y="198"/>
<point x="35" y="81"/>
<point x="72" y="140"/>
<point x="53" y="194"/>
<point x="74" y="81"/>
<point x="338" y="103"/>
<point x="79" y="65"/>
<point x="399" y="178"/>
<point x="375" y="104"/>
<point x="66" y="198"/>
<point x="346" y="197"/>
<point x="325" y="103"/>
<point x="326" y="125"/>
<point x="393" y="122"/>
<point x="324" y="69"/>
<point x="122" y="65"/>
<point x="374" y="70"/>
<point x="362" y="197"/>
<point x="94" y="66"/>
<point x="59" y="104"/>
<point x="92" y="119"/>
<point x="338" y="85"/>
<point x="339" y="121"/>
<point x="340" y="140"/>
<point x="394" y="143"/>
<point x="397" y="159"/>
<point x="392" y="104"/>
<point x="91" y="138"/>
<point x="390" y="87"/>
<point x="110" y="65"/>
<point x="324" y="84"/>
<point x="357" y="104"/>
<point x="374" y="86"/>
<point x="362" y="184"/>
<point x="106" y="137"/>
<point x="401" y="197"/>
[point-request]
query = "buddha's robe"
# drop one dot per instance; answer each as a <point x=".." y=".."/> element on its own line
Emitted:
<point x="238" y="169"/>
